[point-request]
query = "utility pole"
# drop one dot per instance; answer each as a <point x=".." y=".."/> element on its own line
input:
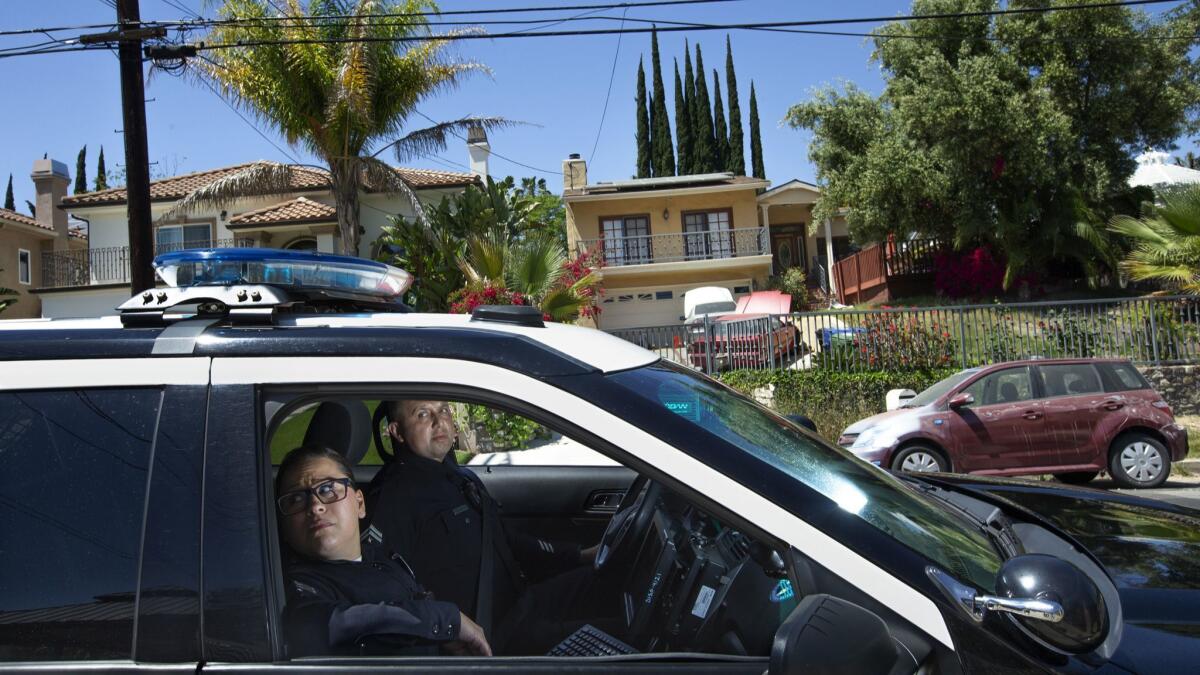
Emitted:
<point x="137" y="156"/>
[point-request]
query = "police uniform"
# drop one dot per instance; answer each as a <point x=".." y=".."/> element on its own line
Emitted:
<point x="333" y="606"/>
<point x="436" y="513"/>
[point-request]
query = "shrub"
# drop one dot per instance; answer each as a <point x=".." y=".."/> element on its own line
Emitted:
<point x="893" y="341"/>
<point x="794" y="282"/>
<point x="498" y="431"/>
<point x="467" y="298"/>
<point x="832" y="399"/>
<point x="975" y="273"/>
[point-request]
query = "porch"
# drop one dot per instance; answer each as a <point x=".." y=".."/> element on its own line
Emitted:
<point x="105" y="266"/>
<point x="883" y="271"/>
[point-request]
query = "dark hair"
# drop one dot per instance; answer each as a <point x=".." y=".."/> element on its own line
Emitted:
<point x="306" y="453"/>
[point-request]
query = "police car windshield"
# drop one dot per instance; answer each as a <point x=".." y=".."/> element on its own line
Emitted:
<point x="864" y="490"/>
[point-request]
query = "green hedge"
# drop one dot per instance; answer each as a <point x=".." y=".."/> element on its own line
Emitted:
<point x="832" y="399"/>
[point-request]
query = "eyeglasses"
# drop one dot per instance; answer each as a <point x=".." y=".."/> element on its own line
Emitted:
<point x="326" y="492"/>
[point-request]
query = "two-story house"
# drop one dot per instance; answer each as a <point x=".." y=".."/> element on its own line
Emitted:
<point x="660" y="237"/>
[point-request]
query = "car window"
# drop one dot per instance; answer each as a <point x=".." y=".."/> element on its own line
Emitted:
<point x="866" y="491"/>
<point x="1072" y="379"/>
<point x="933" y="392"/>
<point x="73" y="491"/>
<point x="1006" y="386"/>
<point x="1123" y="377"/>
<point x="486" y="435"/>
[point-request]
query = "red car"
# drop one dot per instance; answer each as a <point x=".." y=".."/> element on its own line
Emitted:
<point x="1069" y="417"/>
<point x="755" y="333"/>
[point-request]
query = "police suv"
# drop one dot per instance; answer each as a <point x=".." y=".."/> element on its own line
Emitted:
<point x="139" y="528"/>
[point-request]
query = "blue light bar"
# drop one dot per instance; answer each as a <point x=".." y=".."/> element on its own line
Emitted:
<point x="300" y="270"/>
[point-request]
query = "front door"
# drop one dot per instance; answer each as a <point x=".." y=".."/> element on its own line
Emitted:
<point x="1004" y="425"/>
<point x="787" y="248"/>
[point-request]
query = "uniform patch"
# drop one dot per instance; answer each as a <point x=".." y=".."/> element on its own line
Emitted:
<point x="373" y="536"/>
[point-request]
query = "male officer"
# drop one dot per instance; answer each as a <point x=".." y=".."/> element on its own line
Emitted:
<point x="449" y="527"/>
<point x="339" y="593"/>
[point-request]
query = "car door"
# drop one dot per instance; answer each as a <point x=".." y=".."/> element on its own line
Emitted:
<point x="999" y="430"/>
<point x="443" y="377"/>
<point x="100" y="493"/>
<point x="1075" y="404"/>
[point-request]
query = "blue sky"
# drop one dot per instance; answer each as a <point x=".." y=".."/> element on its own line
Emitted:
<point x="58" y="103"/>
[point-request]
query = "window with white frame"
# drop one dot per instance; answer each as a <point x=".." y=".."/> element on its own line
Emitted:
<point x="24" y="267"/>
<point x="180" y="237"/>
<point x="707" y="234"/>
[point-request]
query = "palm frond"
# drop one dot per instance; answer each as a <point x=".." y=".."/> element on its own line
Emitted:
<point x="561" y="304"/>
<point x="378" y="175"/>
<point x="534" y="266"/>
<point x="256" y="180"/>
<point x="434" y="139"/>
<point x="486" y="257"/>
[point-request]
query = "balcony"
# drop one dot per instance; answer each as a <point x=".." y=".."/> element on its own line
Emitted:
<point x="680" y="246"/>
<point x="101" y="266"/>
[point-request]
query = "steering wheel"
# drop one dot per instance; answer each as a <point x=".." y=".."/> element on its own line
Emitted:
<point x="629" y="524"/>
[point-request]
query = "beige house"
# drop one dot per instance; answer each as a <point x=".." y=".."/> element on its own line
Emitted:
<point x="797" y="240"/>
<point x="660" y="237"/>
<point x="24" y="240"/>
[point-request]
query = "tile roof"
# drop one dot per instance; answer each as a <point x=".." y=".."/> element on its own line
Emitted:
<point x="304" y="179"/>
<point x="298" y="210"/>
<point x="21" y="218"/>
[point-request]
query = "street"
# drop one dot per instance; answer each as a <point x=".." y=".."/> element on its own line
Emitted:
<point x="1181" y="490"/>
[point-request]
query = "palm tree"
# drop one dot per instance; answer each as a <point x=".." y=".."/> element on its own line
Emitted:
<point x="533" y="266"/>
<point x="341" y="86"/>
<point x="1166" y="241"/>
<point x="7" y="297"/>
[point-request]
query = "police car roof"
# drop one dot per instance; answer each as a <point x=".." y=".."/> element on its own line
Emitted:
<point x="585" y="346"/>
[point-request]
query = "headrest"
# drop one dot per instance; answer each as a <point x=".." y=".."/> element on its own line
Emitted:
<point x="343" y="425"/>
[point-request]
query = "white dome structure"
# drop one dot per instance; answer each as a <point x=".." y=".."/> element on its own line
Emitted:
<point x="1156" y="168"/>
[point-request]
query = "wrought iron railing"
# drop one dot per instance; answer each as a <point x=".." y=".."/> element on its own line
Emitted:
<point x="110" y="265"/>
<point x="1146" y="330"/>
<point x="680" y="246"/>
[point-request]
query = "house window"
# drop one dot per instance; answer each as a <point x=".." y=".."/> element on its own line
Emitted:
<point x="302" y="244"/>
<point x="180" y="237"/>
<point x="626" y="240"/>
<point x="707" y="235"/>
<point x="741" y="290"/>
<point x="664" y="295"/>
<point x="24" y="267"/>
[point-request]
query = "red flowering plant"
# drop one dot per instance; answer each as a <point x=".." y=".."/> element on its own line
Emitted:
<point x="467" y="298"/>
<point x="975" y="273"/>
<point x="564" y="294"/>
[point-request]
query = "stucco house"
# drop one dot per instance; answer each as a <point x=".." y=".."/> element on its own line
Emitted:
<point x="660" y="237"/>
<point x="93" y="281"/>
<point x="24" y="240"/>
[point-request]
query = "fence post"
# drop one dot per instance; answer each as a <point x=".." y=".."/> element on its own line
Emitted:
<point x="962" y="336"/>
<point x="709" y="344"/>
<point x="1154" y="335"/>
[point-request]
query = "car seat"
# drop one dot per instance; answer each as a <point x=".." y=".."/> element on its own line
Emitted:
<point x="1009" y="393"/>
<point x="343" y="425"/>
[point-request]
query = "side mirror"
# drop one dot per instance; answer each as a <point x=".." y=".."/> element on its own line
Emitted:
<point x="960" y="399"/>
<point x="828" y="635"/>
<point x="1051" y="599"/>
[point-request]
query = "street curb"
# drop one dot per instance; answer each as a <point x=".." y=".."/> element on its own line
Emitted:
<point x="1191" y="466"/>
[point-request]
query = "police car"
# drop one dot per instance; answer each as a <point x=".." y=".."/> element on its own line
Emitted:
<point x="139" y="527"/>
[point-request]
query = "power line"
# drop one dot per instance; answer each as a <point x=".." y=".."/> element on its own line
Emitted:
<point x="604" y="113"/>
<point x="468" y="12"/>
<point x="237" y="112"/>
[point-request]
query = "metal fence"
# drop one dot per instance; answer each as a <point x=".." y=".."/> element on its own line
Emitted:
<point x="110" y="265"/>
<point x="1147" y="330"/>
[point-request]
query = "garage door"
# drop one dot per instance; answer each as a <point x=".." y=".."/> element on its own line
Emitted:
<point x="653" y="305"/>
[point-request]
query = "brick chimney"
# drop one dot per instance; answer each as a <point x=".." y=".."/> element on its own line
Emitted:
<point x="479" y="149"/>
<point x="574" y="172"/>
<point x="51" y="179"/>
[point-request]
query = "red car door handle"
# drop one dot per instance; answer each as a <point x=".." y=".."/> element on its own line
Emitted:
<point x="1112" y="405"/>
<point x="1032" y="415"/>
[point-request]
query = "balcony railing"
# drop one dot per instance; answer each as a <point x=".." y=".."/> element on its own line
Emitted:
<point x="680" y="246"/>
<point x="97" y="266"/>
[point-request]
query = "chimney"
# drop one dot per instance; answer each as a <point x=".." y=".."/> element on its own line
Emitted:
<point x="51" y="179"/>
<point x="574" y="172"/>
<point x="479" y="149"/>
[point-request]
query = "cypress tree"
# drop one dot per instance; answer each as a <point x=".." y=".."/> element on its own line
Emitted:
<point x="662" y="152"/>
<point x="689" y="102"/>
<point x="31" y="207"/>
<point x="756" y="158"/>
<point x="737" y="151"/>
<point x="101" y="175"/>
<point x="720" y="133"/>
<point x="683" y="127"/>
<point x="706" y="158"/>
<point x="9" y="202"/>
<point x="81" y="171"/>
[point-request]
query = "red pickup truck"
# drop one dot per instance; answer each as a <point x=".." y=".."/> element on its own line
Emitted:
<point x="754" y="334"/>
